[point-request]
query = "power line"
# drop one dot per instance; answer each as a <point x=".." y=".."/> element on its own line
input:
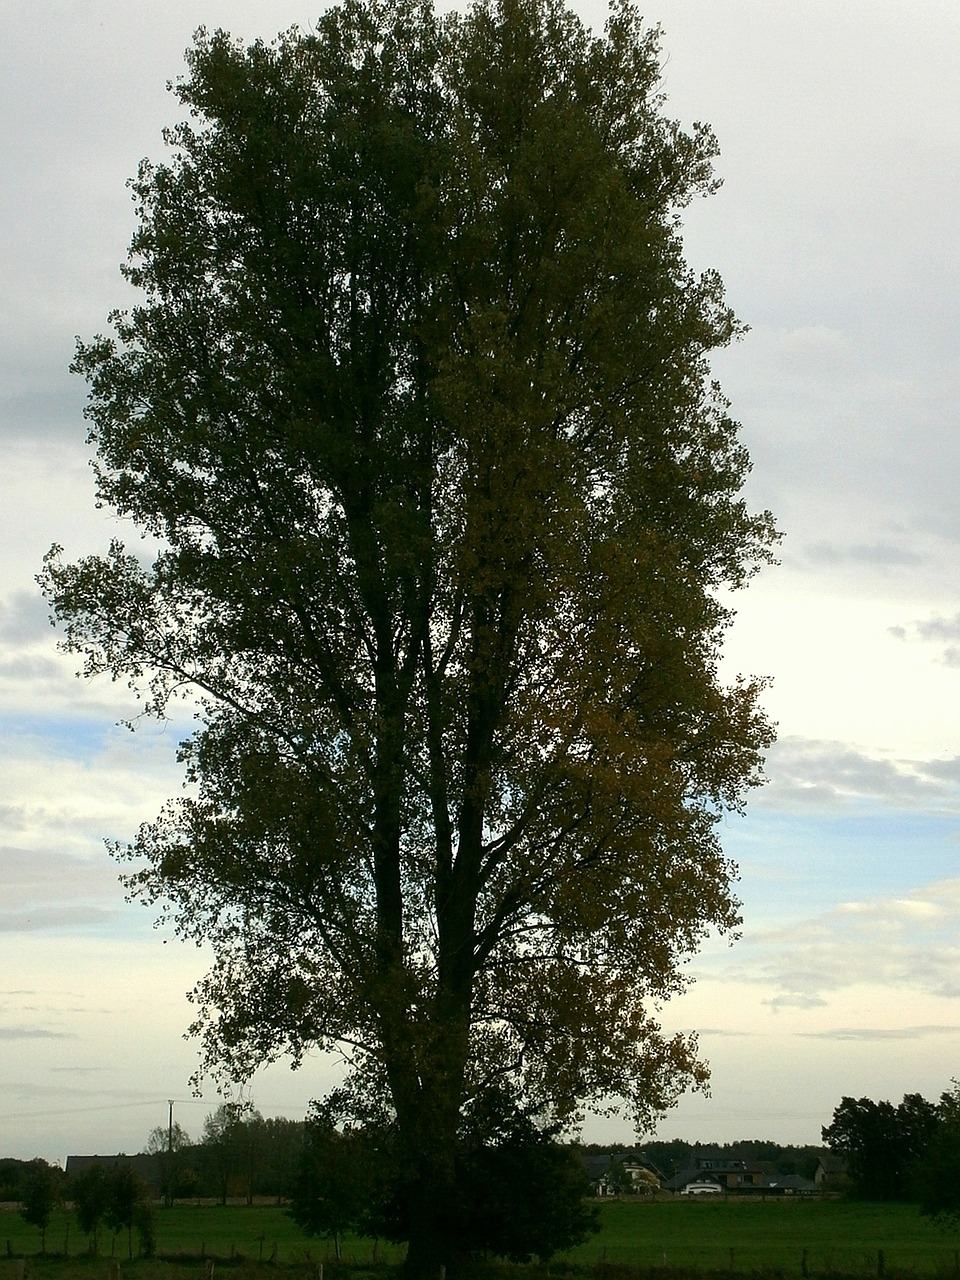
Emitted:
<point x="106" y="1106"/>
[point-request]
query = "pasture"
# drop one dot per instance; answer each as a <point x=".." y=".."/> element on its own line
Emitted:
<point x="793" y="1238"/>
<point x="783" y="1235"/>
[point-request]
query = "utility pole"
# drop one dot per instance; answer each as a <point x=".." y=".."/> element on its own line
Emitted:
<point x="170" y="1128"/>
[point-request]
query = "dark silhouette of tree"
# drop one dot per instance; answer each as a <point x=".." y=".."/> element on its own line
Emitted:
<point x="522" y="1193"/>
<point x="882" y="1143"/>
<point x="936" y="1173"/>
<point x="128" y="1207"/>
<point x="346" y="1181"/>
<point x="171" y="1146"/>
<point x="225" y="1149"/>
<point x="519" y="1193"/>
<point x="39" y="1196"/>
<point x="282" y="1143"/>
<point x="90" y="1193"/>
<point x="415" y="398"/>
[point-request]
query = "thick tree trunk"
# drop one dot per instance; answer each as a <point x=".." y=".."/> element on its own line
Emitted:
<point x="429" y="1136"/>
<point x="431" y="1252"/>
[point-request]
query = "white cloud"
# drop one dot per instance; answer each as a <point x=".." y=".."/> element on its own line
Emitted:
<point x="904" y="944"/>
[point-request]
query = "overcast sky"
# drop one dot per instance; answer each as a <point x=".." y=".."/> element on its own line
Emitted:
<point x="836" y="232"/>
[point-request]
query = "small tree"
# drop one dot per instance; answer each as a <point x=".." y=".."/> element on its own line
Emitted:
<point x="40" y="1190"/>
<point x="345" y="1180"/>
<point x="225" y="1147"/>
<point x="617" y="1179"/>
<point x="91" y="1198"/>
<point x="283" y="1147"/>
<point x="169" y="1144"/>
<point x="128" y="1206"/>
<point x="522" y="1194"/>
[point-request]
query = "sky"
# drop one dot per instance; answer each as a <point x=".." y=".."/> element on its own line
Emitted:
<point x="837" y="233"/>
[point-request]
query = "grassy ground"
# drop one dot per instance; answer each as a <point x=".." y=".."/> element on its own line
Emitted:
<point x="771" y="1235"/>
<point x="258" y="1232"/>
<point x="744" y="1236"/>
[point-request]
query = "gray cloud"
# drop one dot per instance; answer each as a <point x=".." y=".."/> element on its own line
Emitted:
<point x="722" y="1032"/>
<point x="795" y="1000"/>
<point x="874" y="1034"/>
<point x="34" y="1033"/>
<point x="938" y="630"/>
<point x="35" y="919"/>
<point x="24" y="618"/>
<point x="27" y="668"/>
<point x="812" y="774"/>
<point x="879" y="555"/>
<point x="45" y="890"/>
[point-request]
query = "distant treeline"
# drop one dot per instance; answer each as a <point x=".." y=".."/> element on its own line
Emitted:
<point x="255" y="1157"/>
<point x="670" y="1158"/>
<point x="241" y="1155"/>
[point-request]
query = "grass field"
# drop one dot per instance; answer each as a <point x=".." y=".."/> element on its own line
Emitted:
<point x="258" y="1232"/>
<point x="826" y="1237"/>
<point x="771" y="1235"/>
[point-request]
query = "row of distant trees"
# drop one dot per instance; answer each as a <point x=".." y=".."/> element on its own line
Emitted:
<point x="240" y="1154"/>
<point x="906" y="1152"/>
<point x="521" y="1193"/>
<point x="112" y="1196"/>
<point x="672" y="1156"/>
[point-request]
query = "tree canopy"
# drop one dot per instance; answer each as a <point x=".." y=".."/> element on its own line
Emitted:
<point x="415" y="401"/>
<point x="883" y="1143"/>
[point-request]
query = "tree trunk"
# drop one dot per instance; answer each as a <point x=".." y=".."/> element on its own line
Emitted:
<point x="433" y="1249"/>
<point x="429" y="1135"/>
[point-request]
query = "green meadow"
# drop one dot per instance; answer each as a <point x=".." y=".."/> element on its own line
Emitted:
<point x="786" y="1237"/>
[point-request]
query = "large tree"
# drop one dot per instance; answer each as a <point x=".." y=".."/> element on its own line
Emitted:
<point x="883" y="1143"/>
<point x="416" y="403"/>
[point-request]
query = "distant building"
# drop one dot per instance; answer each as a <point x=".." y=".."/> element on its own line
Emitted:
<point x="643" y="1176"/>
<point x="145" y="1166"/>
<point x="712" y="1169"/>
<point x="831" y="1173"/>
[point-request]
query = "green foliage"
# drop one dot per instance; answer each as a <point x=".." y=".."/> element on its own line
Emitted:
<point x="521" y="1193"/>
<point x="936" y="1173"/>
<point x="415" y="399"/>
<point x="882" y="1143"/>
<point x="617" y="1178"/>
<point x="116" y="1195"/>
<point x="90" y="1192"/>
<point x="171" y="1146"/>
<point x="12" y="1175"/>
<point x="346" y="1181"/>
<point x="229" y="1149"/>
<point x="39" y="1195"/>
